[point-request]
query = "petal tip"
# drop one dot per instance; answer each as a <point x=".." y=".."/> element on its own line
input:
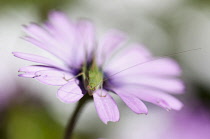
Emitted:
<point x="14" y="53"/>
<point x="20" y="75"/>
<point x="110" y="121"/>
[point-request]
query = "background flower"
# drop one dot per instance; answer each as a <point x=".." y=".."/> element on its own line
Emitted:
<point x="189" y="124"/>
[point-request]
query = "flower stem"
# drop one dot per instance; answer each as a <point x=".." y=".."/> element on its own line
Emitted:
<point x="73" y="120"/>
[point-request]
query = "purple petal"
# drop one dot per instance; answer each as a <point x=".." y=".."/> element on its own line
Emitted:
<point x="46" y="74"/>
<point x="134" y="103"/>
<point x="137" y="60"/>
<point x="160" y="67"/>
<point x="37" y="32"/>
<point x="87" y="35"/>
<point x="42" y="38"/>
<point x="27" y="75"/>
<point x="63" y="30"/>
<point x="170" y="85"/>
<point x="29" y="71"/>
<point x="53" y="77"/>
<point x="61" y="23"/>
<point x="52" y="47"/>
<point x="35" y="68"/>
<point x="166" y="67"/>
<point x="70" y="92"/>
<point x="57" y="34"/>
<point x="68" y="36"/>
<point x="106" y="107"/>
<point x="37" y="59"/>
<point x="155" y="96"/>
<point x="127" y="57"/>
<point x="109" y="44"/>
<point x="145" y="75"/>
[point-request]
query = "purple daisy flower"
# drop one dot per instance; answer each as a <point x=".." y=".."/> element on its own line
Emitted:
<point x="99" y="68"/>
<point x="193" y="124"/>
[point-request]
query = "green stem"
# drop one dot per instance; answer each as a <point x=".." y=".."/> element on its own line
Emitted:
<point x="73" y="120"/>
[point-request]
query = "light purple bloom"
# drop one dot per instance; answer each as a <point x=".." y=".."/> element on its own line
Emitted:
<point x="74" y="43"/>
<point x="189" y="124"/>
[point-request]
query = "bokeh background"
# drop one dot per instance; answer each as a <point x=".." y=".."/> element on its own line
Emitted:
<point x="30" y="110"/>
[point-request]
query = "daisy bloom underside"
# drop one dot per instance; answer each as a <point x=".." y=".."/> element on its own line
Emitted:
<point x="100" y="68"/>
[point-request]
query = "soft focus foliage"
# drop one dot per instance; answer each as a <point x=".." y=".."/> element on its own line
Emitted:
<point x="43" y="6"/>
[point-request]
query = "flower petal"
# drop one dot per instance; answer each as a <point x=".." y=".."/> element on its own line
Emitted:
<point x="163" y="100"/>
<point x="166" y="67"/>
<point x="154" y="74"/>
<point x="106" y="107"/>
<point x="57" y="34"/>
<point x="159" y="67"/>
<point x="87" y="35"/>
<point x="109" y="44"/>
<point x="37" y="59"/>
<point x="35" y="68"/>
<point x="61" y="23"/>
<point x="43" y="39"/>
<point x="29" y="71"/>
<point x="170" y="85"/>
<point x="53" y="77"/>
<point x="27" y="75"/>
<point x="70" y="92"/>
<point x="37" y="32"/>
<point x="125" y="58"/>
<point x="51" y="47"/>
<point x="155" y="96"/>
<point x="134" y="103"/>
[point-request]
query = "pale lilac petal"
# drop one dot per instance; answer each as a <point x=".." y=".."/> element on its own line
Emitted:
<point x="87" y="35"/>
<point x="161" y="67"/>
<point x="57" y="34"/>
<point x="170" y="85"/>
<point x="53" y="77"/>
<point x="163" y="100"/>
<point x="63" y="30"/>
<point x="154" y="74"/>
<point x="26" y="75"/>
<point x="111" y="41"/>
<point x="29" y="71"/>
<point x="108" y="45"/>
<point x="155" y="96"/>
<point x="126" y="58"/>
<point x="106" y="107"/>
<point x="134" y="103"/>
<point x="69" y="36"/>
<point x="37" y="59"/>
<point x="70" y="92"/>
<point x="61" y="23"/>
<point x="37" y="32"/>
<point x="43" y="39"/>
<point x="35" y="68"/>
<point x="166" y="67"/>
<point x="51" y="47"/>
<point x="46" y="74"/>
